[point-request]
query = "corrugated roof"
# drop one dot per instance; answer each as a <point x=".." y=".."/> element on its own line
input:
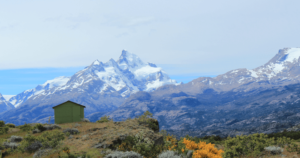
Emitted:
<point x="66" y="102"/>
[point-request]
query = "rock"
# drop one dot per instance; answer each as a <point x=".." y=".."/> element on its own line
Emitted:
<point x="85" y="137"/>
<point x="77" y="125"/>
<point x="169" y="154"/>
<point x="11" y="145"/>
<point x="106" y="151"/>
<point x="189" y="154"/>
<point x="85" y="120"/>
<point x="36" y="131"/>
<point x="16" y="139"/>
<point x="71" y="130"/>
<point x="95" y="129"/>
<point x="102" y="145"/>
<point x="70" y="137"/>
<point x="120" y="154"/>
<point x="53" y="126"/>
<point x="34" y="146"/>
<point x="41" y="153"/>
<point x="274" y="150"/>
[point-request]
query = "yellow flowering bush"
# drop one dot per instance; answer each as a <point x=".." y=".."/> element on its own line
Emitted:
<point x="203" y="150"/>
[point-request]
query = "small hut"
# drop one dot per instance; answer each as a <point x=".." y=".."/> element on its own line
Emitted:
<point x="68" y="112"/>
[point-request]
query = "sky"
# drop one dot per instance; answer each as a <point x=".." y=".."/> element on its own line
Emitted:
<point x="41" y="40"/>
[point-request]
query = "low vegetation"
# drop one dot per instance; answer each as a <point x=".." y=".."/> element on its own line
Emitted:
<point x="136" y="140"/>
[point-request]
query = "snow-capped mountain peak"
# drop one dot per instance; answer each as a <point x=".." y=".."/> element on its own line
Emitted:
<point x="283" y="68"/>
<point x="97" y="62"/>
<point x="56" y="82"/>
<point x="129" y="61"/>
<point x="290" y="55"/>
<point x="1" y="97"/>
<point x="120" y="78"/>
<point x="4" y="104"/>
<point x="38" y="90"/>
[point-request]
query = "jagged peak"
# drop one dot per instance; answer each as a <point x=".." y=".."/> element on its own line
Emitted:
<point x="111" y="62"/>
<point x="129" y="60"/>
<point x="152" y="65"/>
<point x="97" y="62"/>
<point x="1" y="97"/>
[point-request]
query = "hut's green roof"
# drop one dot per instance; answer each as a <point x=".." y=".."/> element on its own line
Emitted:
<point x="66" y="102"/>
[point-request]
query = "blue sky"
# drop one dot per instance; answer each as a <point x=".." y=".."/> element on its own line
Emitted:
<point x="41" y="40"/>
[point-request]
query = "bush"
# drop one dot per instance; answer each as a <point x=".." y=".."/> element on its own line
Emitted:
<point x="145" y="120"/>
<point x="39" y="127"/>
<point x="45" y="140"/>
<point x="104" y="119"/>
<point x="25" y="128"/>
<point x="252" y="145"/>
<point x="289" y="134"/>
<point x="2" y="123"/>
<point x="10" y="125"/>
<point x="3" y="130"/>
<point x="136" y="144"/>
<point x="202" y="149"/>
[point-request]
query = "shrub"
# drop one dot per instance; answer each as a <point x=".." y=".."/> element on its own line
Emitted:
<point x="142" y="146"/>
<point x="3" y="130"/>
<point x="2" y="123"/>
<point x="25" y="127"/>
<point x="252" y="145"/>
<point x="10" y="125"/>
<point x="104" y="119"/>
<point x="45" y="140"/>
<point x="144" y="119"/>
<point x="39" y="127"/>
<point x="202" y="149"/>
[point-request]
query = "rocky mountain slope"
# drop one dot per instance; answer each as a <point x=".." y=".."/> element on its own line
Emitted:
<point x="233" y="103"/>
<point x="5" y="105"/>
<point x="101" y="87"/>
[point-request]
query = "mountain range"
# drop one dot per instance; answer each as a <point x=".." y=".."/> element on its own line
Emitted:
<point x="241" y="101"/>
<point x="100" y="87"/>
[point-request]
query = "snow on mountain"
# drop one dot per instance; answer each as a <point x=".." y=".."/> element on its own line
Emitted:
<point x="22" y="97"/>
<point x="126" y="76"/>
<point x="282" y="69"/>
<point x="7" y="97"/>
<point x="4" y="104"/>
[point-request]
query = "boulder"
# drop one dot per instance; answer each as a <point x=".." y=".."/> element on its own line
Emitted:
<point x="36" y="131"/>
<point x="15" y="139"/>
<point x="76" y="125"/>
<point x="41" y="153"/>
<point x="71" y="131"/>
<point x="102" y="145"/>
<point x="121" y="154"/>
<point x="274" y="150"/>
<point x="85" y="120"/>
<point x="53" y="126"/>
<point x="11" y="145"/>
<point x="169" y="154"/>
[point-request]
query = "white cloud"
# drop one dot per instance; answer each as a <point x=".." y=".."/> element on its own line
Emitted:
<point x="201" y="36"/>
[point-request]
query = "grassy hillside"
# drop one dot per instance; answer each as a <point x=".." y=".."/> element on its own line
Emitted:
<point x="104" y="137"/>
